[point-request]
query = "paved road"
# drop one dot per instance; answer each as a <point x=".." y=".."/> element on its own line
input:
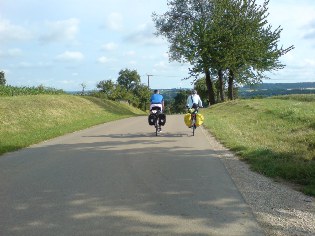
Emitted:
<point x="120" y="179"/>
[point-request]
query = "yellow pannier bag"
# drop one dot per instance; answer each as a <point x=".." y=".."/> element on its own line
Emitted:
<point x="187" y="119"/>
<point x="199" y="119"/>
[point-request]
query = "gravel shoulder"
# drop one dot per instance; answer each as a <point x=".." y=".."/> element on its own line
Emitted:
<point x="279" y="209"/>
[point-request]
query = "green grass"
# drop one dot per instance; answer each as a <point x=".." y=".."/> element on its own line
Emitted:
<point x="26" y="120"/>
<point x="276" y="136"/>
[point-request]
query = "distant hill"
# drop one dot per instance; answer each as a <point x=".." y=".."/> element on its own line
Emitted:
<point x="303" y="85"/>
<point x="274" y="89"/>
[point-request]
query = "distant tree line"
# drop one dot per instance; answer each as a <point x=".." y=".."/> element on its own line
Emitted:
<point x="2" y="78"/>
<point x="286" y="86"/>
<point x="8" y="90"/>
<point x="276" y="89"/>
<point x="228" y="41"/>
<point x="272" y="92"/>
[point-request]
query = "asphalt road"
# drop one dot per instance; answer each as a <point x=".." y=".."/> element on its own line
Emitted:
<point x="120" y="179"/>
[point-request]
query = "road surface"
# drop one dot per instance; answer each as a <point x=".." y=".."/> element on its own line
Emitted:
<point x="120" y="179"/>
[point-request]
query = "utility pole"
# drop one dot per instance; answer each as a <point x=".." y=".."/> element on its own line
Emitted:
<point x="149" y="80"/>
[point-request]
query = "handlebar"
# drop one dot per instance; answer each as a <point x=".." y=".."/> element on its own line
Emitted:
<point x="192" y="110"/>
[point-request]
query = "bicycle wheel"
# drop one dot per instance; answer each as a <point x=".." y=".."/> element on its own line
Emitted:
<point x="156" y="126"/>
<point x="194" y="126"/>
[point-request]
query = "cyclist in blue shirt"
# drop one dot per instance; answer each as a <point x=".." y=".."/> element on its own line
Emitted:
<point x="157" y="100"/>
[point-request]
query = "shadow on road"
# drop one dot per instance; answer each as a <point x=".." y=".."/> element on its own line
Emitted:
<point x="122" y="184"/>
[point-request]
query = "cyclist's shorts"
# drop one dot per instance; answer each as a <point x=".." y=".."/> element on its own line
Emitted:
<point x="156" y="106"/>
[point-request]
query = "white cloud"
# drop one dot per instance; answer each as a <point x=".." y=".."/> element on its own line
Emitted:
<point x="310" y="30"/>
<point x="160" y="65"/>
<point x="32" y="65"/>
<point x="67" y="81"/>
<point x="70" y="56"/>
<point x="65" y="30"/>
<point x="288" y="57"/>
<point x="24" y="64"/>
<point x="145" y="35"/>
<point x="309" y="62"/>
<point x="103" y="60"/>
<point x="130" y="53"/>
<point x="109" y="46"/>
<point x="14" y="52"/>
<point x="115" y="21"/>
<point x="10" y="32"/>
<point x="132" y="63"/>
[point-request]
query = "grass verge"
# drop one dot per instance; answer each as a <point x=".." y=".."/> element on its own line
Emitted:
<point x="276" y="136"/>
<point x="26" y="120"/>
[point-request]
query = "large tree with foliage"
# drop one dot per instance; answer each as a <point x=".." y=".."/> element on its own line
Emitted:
<point x="128" y="79"/>
<point x="184" y="26"/>
<point x="221" y="35"/>
<point x="2" y="78"/>
<point x="246" y="45"/>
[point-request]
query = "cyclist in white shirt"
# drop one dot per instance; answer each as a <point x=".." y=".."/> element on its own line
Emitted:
<point x="193" y="100"/>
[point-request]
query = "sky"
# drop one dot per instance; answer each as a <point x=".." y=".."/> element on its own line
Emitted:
<point x="65" y="44"/>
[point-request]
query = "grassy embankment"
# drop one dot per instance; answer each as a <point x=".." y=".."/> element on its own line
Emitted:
<point x="276" y="136"/>
<point x="25" y="120"/>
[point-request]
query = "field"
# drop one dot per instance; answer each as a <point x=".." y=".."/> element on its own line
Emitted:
<point x="276" y="136"/>
<point x="25" y="120"/>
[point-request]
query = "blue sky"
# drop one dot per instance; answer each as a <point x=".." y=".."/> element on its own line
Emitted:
<point x="64" y="43"/>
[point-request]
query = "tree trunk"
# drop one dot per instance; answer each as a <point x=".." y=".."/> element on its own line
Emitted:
<point x="209" y="83"/>
<point x="221" y="89"/>
<point x="231" y="82"/>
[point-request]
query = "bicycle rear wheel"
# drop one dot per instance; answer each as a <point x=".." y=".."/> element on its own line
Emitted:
<point x="156" y="127"/>
<point x="193" y="123"/>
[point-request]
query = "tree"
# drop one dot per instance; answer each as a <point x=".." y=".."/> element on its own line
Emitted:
<point x="246" y="46"/>
<point x="221" y="35"/>
<point x="184" y="26"/>
<point x="83" y="85"/>
<point x="107" y="87"/>
<point x="2" y="78"/>
<point x="120" y="93"/>
<point x="201" y="87"/>
<point x="180" y="101"/>
<point x="128" y="88"/>
<point x="143" y="93"/>
<point x="128" y="79"/>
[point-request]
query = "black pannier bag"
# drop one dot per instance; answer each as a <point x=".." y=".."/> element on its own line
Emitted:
<point x="162" y="119"/>
<point x="151" y="119"/>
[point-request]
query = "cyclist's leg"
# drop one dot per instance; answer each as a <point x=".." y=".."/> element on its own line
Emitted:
<point x="160" y="127"/>
<point x="191" y="121"/>
<point x="159" y="122"/>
